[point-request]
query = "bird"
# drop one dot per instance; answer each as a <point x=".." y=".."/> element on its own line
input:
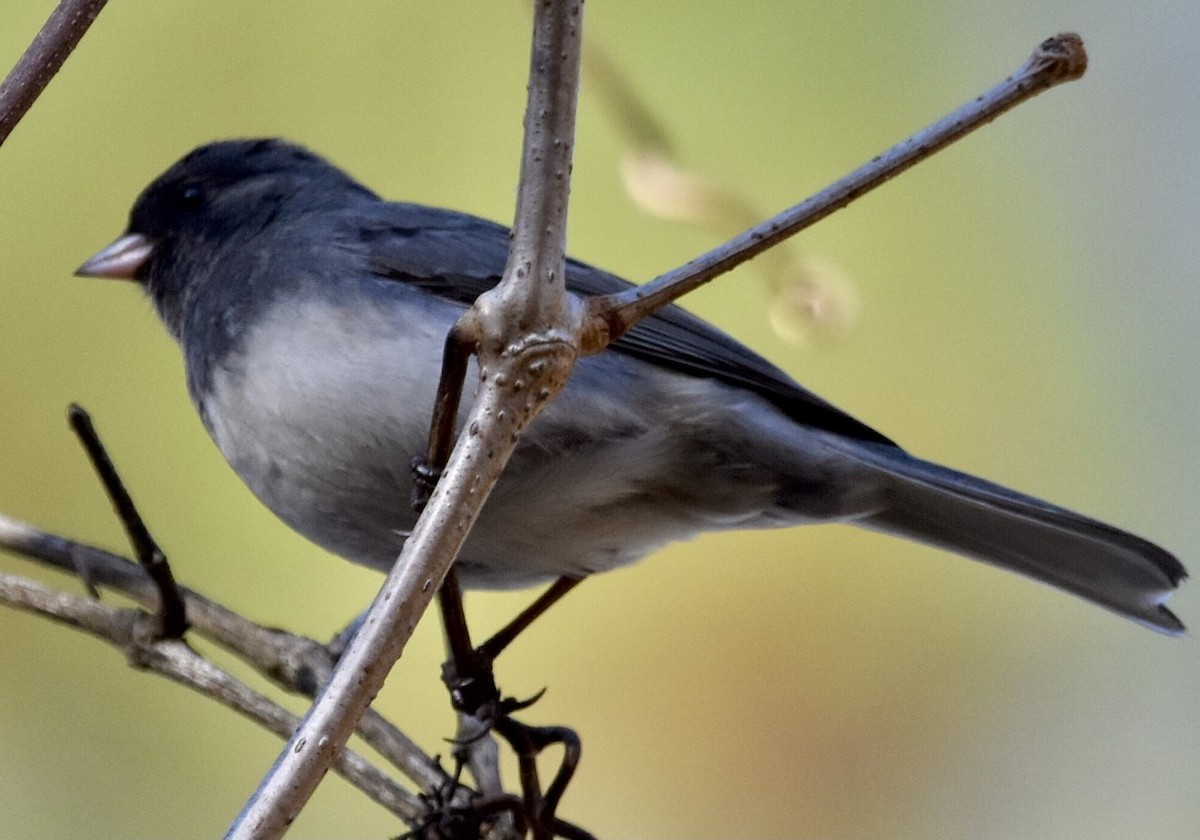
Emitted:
<point x="312" y="314"/>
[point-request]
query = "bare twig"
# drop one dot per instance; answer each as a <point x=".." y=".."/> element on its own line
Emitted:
<point x="523" y="333"/>
<point x="171" y="613"/>
<point x="295" y="663"/>
<point x="811" y="297"/>
<point x="136" y="634"/>
<point x="37" y="66"/>
<point x="1056" y="60"/>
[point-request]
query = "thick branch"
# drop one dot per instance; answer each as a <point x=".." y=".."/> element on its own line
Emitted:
<point x="37" y="66"/>
<point x="521" y="376"/>
<point x="530" y="303"/>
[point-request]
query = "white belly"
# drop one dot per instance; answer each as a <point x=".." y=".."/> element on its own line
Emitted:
<point x="324" y="427"/>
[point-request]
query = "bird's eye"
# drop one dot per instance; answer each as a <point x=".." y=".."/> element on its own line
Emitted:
<point x="191" y="197"/>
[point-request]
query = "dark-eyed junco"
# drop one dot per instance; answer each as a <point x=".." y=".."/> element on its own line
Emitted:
<point x="312" y="316"/>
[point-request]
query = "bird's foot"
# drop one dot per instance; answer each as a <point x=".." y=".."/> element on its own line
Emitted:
<point x="425" y="478"/>
<point x="473" y="692"/>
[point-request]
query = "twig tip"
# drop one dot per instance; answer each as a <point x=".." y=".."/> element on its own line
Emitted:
<point x="1065" y="53"/>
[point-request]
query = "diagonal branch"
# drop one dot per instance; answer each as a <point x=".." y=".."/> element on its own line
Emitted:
<point x="42" y="60"/>
<point x="136" y="633"/>
<point x="295" y="663"/>
<point x="1054" y="61"/>
<point x="523" y="335"/>
<point x="171" y="613"/>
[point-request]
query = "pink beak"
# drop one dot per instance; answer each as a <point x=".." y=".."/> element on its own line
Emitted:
<point x="122" y="260"/>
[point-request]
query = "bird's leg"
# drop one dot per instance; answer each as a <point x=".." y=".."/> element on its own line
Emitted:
<point x="468" y="673"/>
<point x="427" y="468"/>
<point x="469" y="676"/>
<point x="498" y="642"/>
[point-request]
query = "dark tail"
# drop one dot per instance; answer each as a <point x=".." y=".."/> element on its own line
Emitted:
<point x="985" y="521"/>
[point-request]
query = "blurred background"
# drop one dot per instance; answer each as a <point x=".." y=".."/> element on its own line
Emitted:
<point x="1023" y="307"/>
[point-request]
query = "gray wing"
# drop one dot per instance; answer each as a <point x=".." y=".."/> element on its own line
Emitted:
<point x="458" y="257"/>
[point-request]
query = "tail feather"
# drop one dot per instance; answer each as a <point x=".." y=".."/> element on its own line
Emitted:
<point x="970" y="516"/>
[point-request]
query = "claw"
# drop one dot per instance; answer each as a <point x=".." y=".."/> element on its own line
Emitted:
<point x="468" y="675"/>
<point x="511" y="704"/>
<point x="425" y="478"/>
<point x="461" y="743"/>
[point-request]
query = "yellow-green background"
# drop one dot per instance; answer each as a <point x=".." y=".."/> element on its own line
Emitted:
<point x="1029" y="302"/>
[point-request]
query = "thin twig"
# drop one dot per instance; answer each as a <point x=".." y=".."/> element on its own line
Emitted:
<point x="171" y="612"/>
<point x="42" y="60"/>
<point x="1056" y="60"/>
<point x="295" y="663"/>
<point x="134" y="632"/>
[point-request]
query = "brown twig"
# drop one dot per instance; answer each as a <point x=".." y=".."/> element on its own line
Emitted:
<point x="295" y="663"/>
<point x="135" y="633"/>
<point x="1056" y="60"/>
<point x="171" y="613"/>
<point x="42" y="60"/>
